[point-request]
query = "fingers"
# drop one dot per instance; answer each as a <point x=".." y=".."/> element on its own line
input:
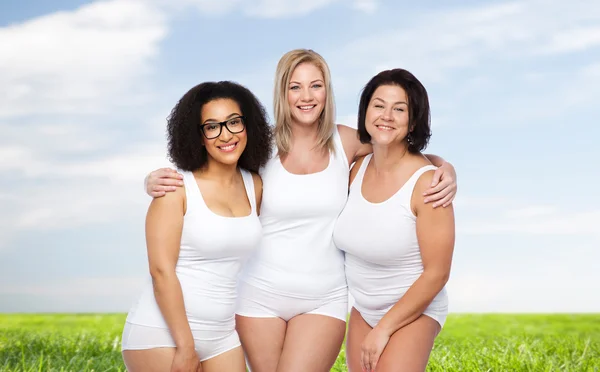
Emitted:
<point x="434" y="192"/>
<point x="162" y="181"/>
<point x="437" y="176"/>
<point x="168" y="182"/>
<point x="166" y="173"/>
<point x="368" y="360"/>
<point x="159" y="188"/>
<point x="157" y="194"/>
<point x="363" y="364"/>
<point x="446" y="201"/>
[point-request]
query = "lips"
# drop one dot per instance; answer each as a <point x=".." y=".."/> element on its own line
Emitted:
<point x="306" y="108"/>
<point x="228" y="147"/>
<point x="384" y="127"/>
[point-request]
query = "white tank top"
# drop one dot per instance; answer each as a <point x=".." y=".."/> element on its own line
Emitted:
<point x="296" y="256"/>
<point x="213" y="250"/>
<point x="383" y="258"/>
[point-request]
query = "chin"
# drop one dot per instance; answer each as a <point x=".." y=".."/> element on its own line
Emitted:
<point x="306" y="120"/>
<point x="379" y="140"/>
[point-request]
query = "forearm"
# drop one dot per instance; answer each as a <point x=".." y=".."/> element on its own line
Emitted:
<point x="414" y="302"/>
<point x="438" y="161"/>
<point x="169" y="297"/>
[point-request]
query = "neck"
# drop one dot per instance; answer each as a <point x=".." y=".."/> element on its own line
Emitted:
<point x="388" y="158"/>
<point x="224" y="174"/>
<point x="304" y="136"/>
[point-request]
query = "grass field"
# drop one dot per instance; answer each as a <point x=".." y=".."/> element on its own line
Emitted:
<point x="468" y="343"/>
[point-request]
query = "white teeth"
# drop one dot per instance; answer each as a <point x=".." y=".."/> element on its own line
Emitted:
<point x="306" y="107"/>
<point x="228" y="147"/>
<point x="384" y="127"/>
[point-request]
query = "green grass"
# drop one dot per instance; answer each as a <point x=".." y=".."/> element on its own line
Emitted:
<point x="533" y="343"/>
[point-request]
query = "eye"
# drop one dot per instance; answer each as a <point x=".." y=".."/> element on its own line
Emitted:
<point x="377" y="105"/>
<point x="212" y="126"/>
<point x="235" y="122"/>
<point x="295" y="87"/>
<point x="399" y="109"/>
<point x="317" y="86"/>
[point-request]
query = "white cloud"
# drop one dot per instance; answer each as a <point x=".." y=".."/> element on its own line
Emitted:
<point x="252" y="8"/>
<point x="435" y="43"/>
<point x="86" y="192"/>
<point x="80" y="61"/>
<point x="572" y="40"/>
<point x="284" y="8"/>
<point x="534" y="220"/>
<point x="366" y="6"/>
<point x="110" y="286"/>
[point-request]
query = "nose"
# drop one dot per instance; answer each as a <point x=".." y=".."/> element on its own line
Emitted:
<point x="306" y="95"/>
<point x="387" y="114"/>
<point x="225" y="135"/>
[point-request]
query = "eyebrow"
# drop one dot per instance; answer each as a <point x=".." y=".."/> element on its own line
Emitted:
<point x="227" y="118"/>
<point x="314" y="81"/>
<point x="395" y="103"/>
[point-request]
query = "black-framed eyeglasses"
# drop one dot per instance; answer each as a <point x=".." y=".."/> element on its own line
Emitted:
<point x="233" y="125"/>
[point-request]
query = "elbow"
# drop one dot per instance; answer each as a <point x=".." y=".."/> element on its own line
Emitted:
<point x="438" y="278"/>
<point x="160" y="274"/>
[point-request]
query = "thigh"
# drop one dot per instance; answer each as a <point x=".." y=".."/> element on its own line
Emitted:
<point x="312" y="343"/>
<point x="158" y="359"/>
<point x="262" y="340"/>
<point x="358" y="329"/>
<point x="409" y="347"/>
<point x="230" y="361"/>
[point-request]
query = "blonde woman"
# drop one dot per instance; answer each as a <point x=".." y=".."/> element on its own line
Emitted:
<point x="292" y="304"/>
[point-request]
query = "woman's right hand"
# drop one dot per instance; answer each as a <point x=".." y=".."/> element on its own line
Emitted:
<point x="161" y="181"/>
<point x="186" y="360"/>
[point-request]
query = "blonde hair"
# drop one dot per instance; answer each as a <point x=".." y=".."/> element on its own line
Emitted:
<point x="281" y="110"/>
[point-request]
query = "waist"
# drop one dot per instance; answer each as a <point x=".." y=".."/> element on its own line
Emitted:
<point x="205" y="307"/>
<point x="300" y="282"/>
<point x="382" y="301"/>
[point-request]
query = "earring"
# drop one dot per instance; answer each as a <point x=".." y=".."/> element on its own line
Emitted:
<point x="410" y="139"/>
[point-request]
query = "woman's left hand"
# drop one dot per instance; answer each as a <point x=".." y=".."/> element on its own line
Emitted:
<point x="372" y="348"/>
<point x="443" y="186"/>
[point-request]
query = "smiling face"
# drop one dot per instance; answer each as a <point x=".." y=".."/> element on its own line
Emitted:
<point x="227" y="147"/>
<point x="387" y="117"/>
<point x="306" y="94"/>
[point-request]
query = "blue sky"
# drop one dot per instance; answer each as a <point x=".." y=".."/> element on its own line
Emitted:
<point x="86" y="87"/>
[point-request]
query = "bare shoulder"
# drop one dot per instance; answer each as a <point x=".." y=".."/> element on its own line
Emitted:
<point x="418" y="205"/>
<point x="171" y="201"/>
<point x="345" y="130"/>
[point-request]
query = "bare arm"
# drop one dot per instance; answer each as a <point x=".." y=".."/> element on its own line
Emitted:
<point x="164" y="223"/>
<point x="435" y="233"/>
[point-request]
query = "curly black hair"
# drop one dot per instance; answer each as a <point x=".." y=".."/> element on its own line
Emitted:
<point x="418" y="106"/>
<point x="184" y="138"/>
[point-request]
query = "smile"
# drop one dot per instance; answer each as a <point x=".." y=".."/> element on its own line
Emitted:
<point x="384" y="127"/>
<point x="306" y="108"/>
<point x="228" y="147"/>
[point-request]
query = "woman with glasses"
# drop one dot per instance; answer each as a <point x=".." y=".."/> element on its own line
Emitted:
<point x="293" y="298"/>
<point x="199" y="236"/>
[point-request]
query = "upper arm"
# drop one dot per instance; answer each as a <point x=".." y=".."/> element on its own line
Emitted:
<point x="352" y="145"/>
<point x="258" y="189"/>
<point x="435" y="229"/>
<point x="164" y="223"/>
